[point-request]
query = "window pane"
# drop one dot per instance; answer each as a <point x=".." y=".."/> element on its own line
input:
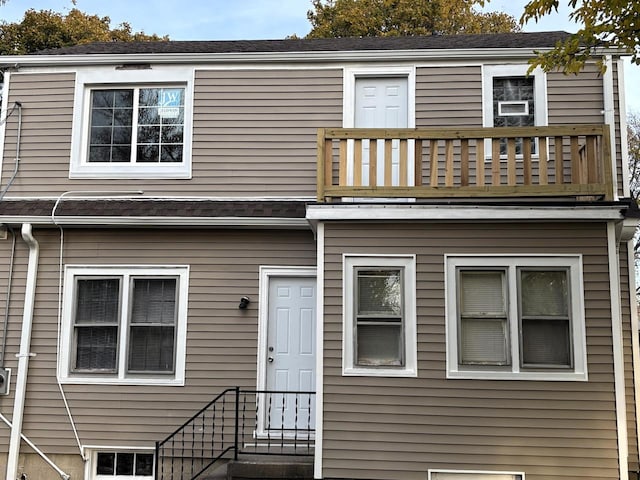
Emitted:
<point x="144" y="464"/>
<point x="96" y="348"/>
<point x="482" y="293"/>
<point x="111" y="117"/>
<point x="154" y="300"/>
<point x="544" y="293"/>
<point x="379" y="293"/>
<point x="379" y="345"/>
<point x="106" y="462"/>
<point x="124" y="464"/>
<point x="511" y="89"/>
<point x="97" y="300"/>
<point x="161" y="125"/>
<point x="483" y="341"/>
<point x="151" y="348"/>
<point x="546" y="342"/>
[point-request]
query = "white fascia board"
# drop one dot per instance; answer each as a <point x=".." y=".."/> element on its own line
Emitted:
<point x="258" y="57"/>
<point x="461" y="212"/>
<point x="108" y="221"/>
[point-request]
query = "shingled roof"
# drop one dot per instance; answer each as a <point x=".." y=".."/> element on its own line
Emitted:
<point x="433" y="42"/>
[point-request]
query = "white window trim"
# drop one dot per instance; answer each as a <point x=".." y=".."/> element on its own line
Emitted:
<point x="408" y="262"/>
<point x="541" y="111"/>
<point x="110" y="77"/>
<point x="476" y="474"/>
<point x="66" y="376"/>
<point x="540" y="90"/>
<point x="578" y="334"/>
<point x="349" y="97"/>
<point x="91" y="453"/>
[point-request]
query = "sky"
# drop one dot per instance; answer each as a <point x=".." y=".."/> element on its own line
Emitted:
<point x="255" y="19"/>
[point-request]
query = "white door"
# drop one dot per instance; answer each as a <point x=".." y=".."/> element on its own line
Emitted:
<point x="381" y="102"/>
<point x="291" y="353"/>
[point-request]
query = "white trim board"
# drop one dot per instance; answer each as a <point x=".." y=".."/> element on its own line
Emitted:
<point x="462" y="212"/>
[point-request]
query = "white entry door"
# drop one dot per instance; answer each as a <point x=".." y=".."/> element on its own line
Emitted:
<point x="291" y="353"/>
<point x="381" y="102"/>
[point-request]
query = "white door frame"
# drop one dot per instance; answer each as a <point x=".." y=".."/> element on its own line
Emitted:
<point x="266" y="273"/>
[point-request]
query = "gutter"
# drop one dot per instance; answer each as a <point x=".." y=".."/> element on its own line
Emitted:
<point x="337" y="56"/>
<point x="24" y="354"/>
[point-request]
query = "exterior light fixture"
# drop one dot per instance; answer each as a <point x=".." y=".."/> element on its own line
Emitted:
<point x="244" y="303"/>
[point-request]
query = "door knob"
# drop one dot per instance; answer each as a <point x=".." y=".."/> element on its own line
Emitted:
<point x="270" y="359"/>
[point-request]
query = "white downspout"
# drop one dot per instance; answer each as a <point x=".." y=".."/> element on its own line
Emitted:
<point x="23" y="356"/>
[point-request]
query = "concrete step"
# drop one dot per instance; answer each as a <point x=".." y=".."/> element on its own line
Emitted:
<point x="283" y="467"/>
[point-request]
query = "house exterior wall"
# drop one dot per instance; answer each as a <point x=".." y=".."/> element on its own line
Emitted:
<point x="398" y="428"/>
<point x="221" y="339"/>
<point x="254" y="130"/>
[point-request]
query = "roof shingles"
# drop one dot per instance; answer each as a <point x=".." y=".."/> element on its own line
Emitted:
<point x="433" y="42"/>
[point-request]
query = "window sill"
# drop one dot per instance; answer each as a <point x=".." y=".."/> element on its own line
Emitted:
<point x="379" y="372"/>
<point x="547" y="376"/>
<point x="133" y="172"/>
<point x="92" y="380"/>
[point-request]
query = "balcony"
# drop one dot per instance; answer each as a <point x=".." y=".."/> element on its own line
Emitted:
<point x="524" y="162"/>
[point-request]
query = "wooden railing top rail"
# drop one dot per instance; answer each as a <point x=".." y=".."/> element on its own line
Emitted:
<point x="559" y="160"/>
<point x="463" y="132"/>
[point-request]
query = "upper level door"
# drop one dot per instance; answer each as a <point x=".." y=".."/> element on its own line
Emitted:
<point x="382" y="102"/>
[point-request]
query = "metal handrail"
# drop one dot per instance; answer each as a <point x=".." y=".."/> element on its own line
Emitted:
<point x="199" y="443"/>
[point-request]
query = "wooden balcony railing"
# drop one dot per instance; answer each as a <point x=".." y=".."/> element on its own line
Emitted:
<point x="557" y="161"/>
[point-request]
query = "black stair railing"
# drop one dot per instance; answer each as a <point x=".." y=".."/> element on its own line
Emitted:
<point x="238" y="421"/>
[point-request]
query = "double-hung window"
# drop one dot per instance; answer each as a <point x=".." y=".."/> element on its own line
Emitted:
<point x="515" y="317"/>
<point x="124" y="324"/>
<point x="132" y="124"/>
<point x="379" y="316"/>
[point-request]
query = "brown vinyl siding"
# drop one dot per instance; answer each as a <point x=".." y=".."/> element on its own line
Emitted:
<point x="449" y="96"/>
<point x="221" y="339"/>
<point x="626" y="288"/>
<point x="254" y="134"/>
<point x="398" y="428"/>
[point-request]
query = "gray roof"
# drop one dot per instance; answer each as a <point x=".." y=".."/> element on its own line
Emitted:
<point x="433" y="42"/>
<point x="154" y="208"/>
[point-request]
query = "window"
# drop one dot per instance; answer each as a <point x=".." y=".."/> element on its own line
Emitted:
<point x="466" y="475"/>
<point x="512" y="98"/>
<point x="136" y="125"/>
<point x="110" y="465"/>
<point x="379" y="316"/>
<point x="124" y="325"/>
<point x="515" y="317"/>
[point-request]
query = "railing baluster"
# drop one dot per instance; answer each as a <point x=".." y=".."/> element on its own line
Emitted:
<point x="403" y="177"/>
<point x="511" y="161"/>
<point x="357" y="163"/>
<point x="282" y="423"/>
<point x="576" y="170"/>
<point x="527" y="171"/>
<point x="373" y="162"/>
<point x="295" y="425"/>
<point x="558" y="150"/>
<point x="495" y="162"/>
<point x="464" y="162"/>
<point x="388" y="163"/>
<point x="342" y="168"/>
<point x="592" y="166"/>
<point x="448" y="155"/>
<point x="328" y="162"/>
<point x="433" y="164"/>
<point x="480" y="161"/>
<point x="417" y="163"/>
<point x="543" y="172"/>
